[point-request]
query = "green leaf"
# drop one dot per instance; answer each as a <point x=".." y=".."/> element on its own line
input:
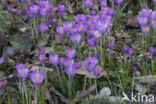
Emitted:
<point x="6" y="20"/>
<point x="21" y="42"/>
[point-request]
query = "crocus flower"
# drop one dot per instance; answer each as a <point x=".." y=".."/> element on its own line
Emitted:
<point x="54" y="59"/>
<point x="135" y="69"/>
<point x="125" y="49"/>
<point x="41" y="56"/>
<point x="23" y="73"/>
<point x="88" y="3"/>
<point x="153" y="23"/>
<point x="97" y="55"/>
<point x="81" y="27"/>
<point x="145" y="29"/>
<point x="142" y="20"/>
<point x="43" y="12"/>
<point x="48" y="6"/>
<point x="34" y="9"/>
<point x="90" y="66"/>
<point x="102" y="26"/>
<point x="61" y="7"/>
<point x="20" y="66"/>
<point x="25" y="1"/>
<point x="154" y="1"/>
<point x="92" y="42"/>
<point x="97" y="34"/>
<point x="146" y="12"/>
<point x="70" y="53"/>
<point x="151" y="50"/>
<point x="93" y="12"/>
<point x="67" y="25"/>
<point x="68" y="62"/>
<point x="43" y="28"/>
<point x="61" y="61"/>
<point x="19" y="13"/>
<point x="37" y="77"/>
<point x="103" y="3"/>
<point x="119" y="1"/>
<point x="73" y="30"/>
<point x="1" y="60"/>
<point x="111" y="44"/>
<point x="77" y="64"/>
<point x="60" y="30"/>
<point x="97" y="72"/>
<point x="71" y="71"/>
<point x="153" y="15"/>
<point x="76" y="38"/>
<point x="93" y="59"/>
<point x="130" y="51"/>
<point x="30" y="13"/>
<point x="9" y="10"/>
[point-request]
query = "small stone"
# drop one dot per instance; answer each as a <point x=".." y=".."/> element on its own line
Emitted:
<point x="140" y="88"/>
<point x="8" y="51"/>
<point x="105" y="92"/>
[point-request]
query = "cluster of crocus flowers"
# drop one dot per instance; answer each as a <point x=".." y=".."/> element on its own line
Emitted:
<point x="35" y="76"/>
<point x="92" y="65"/>
<point x="146" y="18"/>
<point x="152" y="51"/>
<point x="70" y="65"/>
<point x="1" y="60"/>
<point x="128" y="50"/>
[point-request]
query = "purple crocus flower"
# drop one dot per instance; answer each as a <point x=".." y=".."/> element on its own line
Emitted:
<point x="9" y="10"/>
<point x="135" y="69"/>
<point x="61" y="61"/>
<point x="153" y="15"/>
<point x="48" y="6"/>
<point x="119" y="1"/>
<point x="61" y="7"/>
<point x="76" y="38"/>
<point x="70" y="53"/>
<point x="25" y="1"/>
<point x="30" y="13"/>
<point x="92" y="42"/>
<point x="43" y="11"/>
<point x="90" y="66"/>
<point x="54" y="59"/>
<point x="67" y="25"/>
<point x="41" y="56"/>
<point x="145" y="29"/>
<point x="43" y="28"/>
<point x="142" y="20"/>
<point x="71" y="71"/>
<point x="153" y="23"/>
<point x="154" y="1"/>
<point x="97" y="55"/>
<point x="68" y="62"/>
<point x="97" y="72"/>
<point x="93" y="12"/>
<point x="102" y="26"/>
<point x="88" y="3"/>
<point x="77" y="64"/>
<point x="19" y="13"/>
<point x="93" y="59"/>
<point x="81" y="27"/>
<point x="146" y="12"/>
<point x="1" y="60"/>
<point x="34" y="9"/>
<point x="103" y="3"/>
<point x="37" y="77"/>
<point x="97" y="34"/>
<point x="60" y="30"/>
<point x="52" y="15"/>
<point x="130" y="51"/>
<point x="20" y="66"/>
<point x="23" y="73"/>
<point x="111" y="44"/>
<point x="151" y="50"/>
<point x="125" y="49"/>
